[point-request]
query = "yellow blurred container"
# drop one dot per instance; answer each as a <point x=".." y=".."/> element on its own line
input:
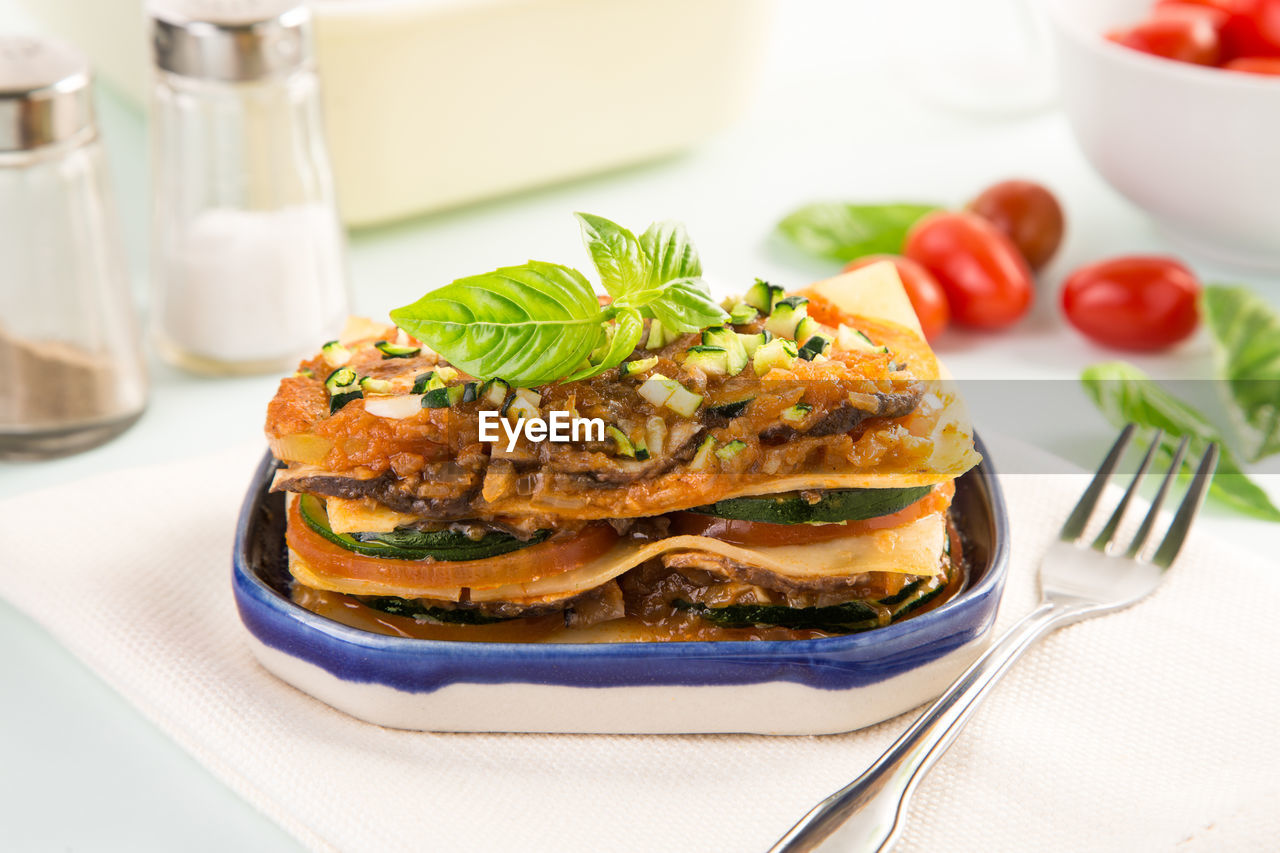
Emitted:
<point x="431" y="104"/>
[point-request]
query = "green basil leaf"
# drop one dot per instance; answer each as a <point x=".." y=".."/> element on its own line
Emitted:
<point x="623" y="336"/>
<point x="1125" y="394"/>
<point x="616" y="252"/>
<point x="1247" y="332"/>
<point x="685" y="305"/>
<point x="530" y="324"/>
<point x="670" y="252"/>
<point x="842" y="232"/>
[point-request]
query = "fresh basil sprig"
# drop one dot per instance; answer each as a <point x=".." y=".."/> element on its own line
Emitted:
<point x="1127" y="395"/>
<point x="540" y="322"/>
<point x="841" y="232"/>
<point x="1247" y="333"/>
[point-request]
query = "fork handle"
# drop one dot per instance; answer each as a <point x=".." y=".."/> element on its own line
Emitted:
<point x="869" y="810"/>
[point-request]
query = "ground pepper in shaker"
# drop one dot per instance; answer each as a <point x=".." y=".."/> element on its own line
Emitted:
<point x="71" y="369"/>
<point x="248" y="257"/>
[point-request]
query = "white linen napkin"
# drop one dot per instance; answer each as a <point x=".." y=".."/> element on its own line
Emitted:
<point x="1150" y="729"/>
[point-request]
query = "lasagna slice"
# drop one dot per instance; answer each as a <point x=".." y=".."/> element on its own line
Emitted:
<point x="786" y="475"/>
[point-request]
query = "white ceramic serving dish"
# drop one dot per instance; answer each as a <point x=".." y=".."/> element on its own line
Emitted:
<point x="834" y="684"/>
<point x="1194" y="147"/>
<point x="434" y="103"/>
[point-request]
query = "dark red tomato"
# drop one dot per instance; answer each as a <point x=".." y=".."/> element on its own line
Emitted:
<point x="926" y="295"/>
<point x="1181" y="38"/>
<point x="1255" y="65"/>
<point x="1028" y="214"/>
<point x="986" y="279"/>
<point x="1139" y="303"/>
<point x="1217" y="12"/>
<point x="1253" y="30"/>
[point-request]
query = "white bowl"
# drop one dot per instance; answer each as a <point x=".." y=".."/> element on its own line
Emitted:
<point x="1196" y="148"/>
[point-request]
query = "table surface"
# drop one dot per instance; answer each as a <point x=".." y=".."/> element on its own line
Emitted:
<point x="833" y="119"/>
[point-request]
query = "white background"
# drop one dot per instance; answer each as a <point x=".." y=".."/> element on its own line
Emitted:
<point x="834" y="118"/>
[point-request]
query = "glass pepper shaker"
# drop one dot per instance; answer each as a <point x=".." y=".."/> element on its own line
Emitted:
<point x="248" y="255"/>
<point x="71" y="369"/>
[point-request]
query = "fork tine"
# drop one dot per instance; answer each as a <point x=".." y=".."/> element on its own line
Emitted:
<point x="1191" y="502"/>
<point x="1108" y="533"/>
<point x="1144" y="532"/>
<point x="1079" y="518"/>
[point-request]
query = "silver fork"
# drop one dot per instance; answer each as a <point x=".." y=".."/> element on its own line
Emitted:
<point x="1078" y="580"/>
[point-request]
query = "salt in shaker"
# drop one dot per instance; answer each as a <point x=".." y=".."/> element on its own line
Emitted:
<point x="248" y="258"/>
<point x="71" y="369"/>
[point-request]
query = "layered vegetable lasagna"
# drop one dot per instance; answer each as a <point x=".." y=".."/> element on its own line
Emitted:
<point x="784" y="473"/>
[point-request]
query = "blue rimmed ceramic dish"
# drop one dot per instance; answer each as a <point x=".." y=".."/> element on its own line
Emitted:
<point x="833" y="684"/>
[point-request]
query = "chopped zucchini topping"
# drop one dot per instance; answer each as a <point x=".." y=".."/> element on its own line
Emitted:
<point x="335" y="354"/>
<point x="852" y="340"/>
<point x="703" y="457"/>
<point x="661" y="391"/>
<point x="731" y="449"/>
<point x="369" y="385"/>
<point x="625" y="447"/>
<point x="742" y="313"/>
<point x="640" y="365"/>
<point x="779" y="352"/>
<point x="442" y="398"/>
<point x="727" y="339"/>
<point x="390" y="350"/>
<point x="730" y="410"/>
<point x="495" y="393"/>
<point x="659" y="336"/>
<point x="762" y="296"/>
<point x="814" y="347"/>
<point x="787" y="315"/>
<point x="797" y="413"/>
<point x="343" y="387"/>
<point x="422" y="382"/>
<point x="523" y="404"/>
<point x="752" y="342"/>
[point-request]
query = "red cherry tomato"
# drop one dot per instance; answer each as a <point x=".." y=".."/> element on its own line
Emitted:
<point x="1028" y="214"/>
<point x="986" y="279"/>
<point x="1255" y="65"/>
<point x="1182" y="38"/>
<point x="1217" y="13"/>
<point x="1139" y="303"/>
<point x="1252" y="30"/>
<point x="926" y="295"/>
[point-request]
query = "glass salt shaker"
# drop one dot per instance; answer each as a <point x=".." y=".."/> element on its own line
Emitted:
<point x="71" y="368"/>
<point x="248" y="256"/>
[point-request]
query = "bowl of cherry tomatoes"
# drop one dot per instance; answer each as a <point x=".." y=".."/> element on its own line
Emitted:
<point x="1177" y="104"/>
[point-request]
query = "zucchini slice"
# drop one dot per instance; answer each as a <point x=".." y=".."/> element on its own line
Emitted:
<point x="845" y="618"/>
<point x="447" y="545"/>
<point x="390" y="350"/>
<point x="730" y="410"/>
<point x="640" y="365"/>
<point x="416" y="609"/>
<point x="835" y="505"/>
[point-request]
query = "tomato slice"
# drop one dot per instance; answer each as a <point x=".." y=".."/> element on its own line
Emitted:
<point x="524" y="566"/>
<point x="762" y="534"/>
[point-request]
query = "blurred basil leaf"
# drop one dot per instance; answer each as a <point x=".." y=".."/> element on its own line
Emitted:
<point x="842" y="232"/>
<point x="1125" y="394"/>
<point x="1247" y="333"/>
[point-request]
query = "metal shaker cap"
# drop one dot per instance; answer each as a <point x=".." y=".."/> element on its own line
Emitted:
<point x="46" y="93"/>
<point x="230" y="40"/>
